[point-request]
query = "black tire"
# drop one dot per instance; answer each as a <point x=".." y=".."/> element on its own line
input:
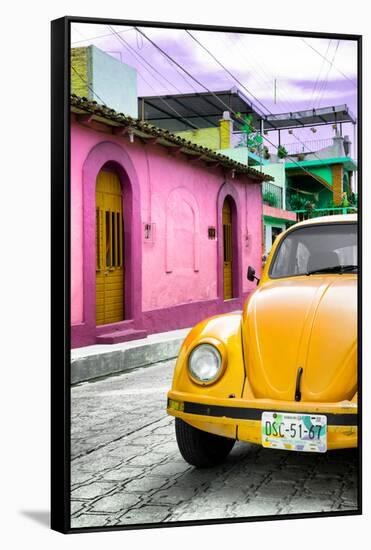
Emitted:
<point x="199" y="448"/>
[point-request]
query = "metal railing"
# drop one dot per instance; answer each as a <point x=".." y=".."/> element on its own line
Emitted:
<point x="294" y="148"/>
<point x="302" y="215"/>
<point x="272" y="195"/>
<point x="306" y="147"/>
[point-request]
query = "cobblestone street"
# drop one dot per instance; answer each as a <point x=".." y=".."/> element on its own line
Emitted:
<point x="126" y="467"/>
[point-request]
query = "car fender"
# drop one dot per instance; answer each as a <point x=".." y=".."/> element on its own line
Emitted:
<point x="224" y="331"/>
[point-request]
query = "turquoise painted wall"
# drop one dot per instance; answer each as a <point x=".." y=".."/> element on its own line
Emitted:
<point x="238" y="154"/>
<point x="104" y="79"/>
<point x="277" y="171"/>
<point x="114" y="82"/>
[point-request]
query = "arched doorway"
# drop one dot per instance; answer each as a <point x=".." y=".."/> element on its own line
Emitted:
<point x="110" y="156"/>
<point x="109" y="252"/>
<point x="227" y="250"/>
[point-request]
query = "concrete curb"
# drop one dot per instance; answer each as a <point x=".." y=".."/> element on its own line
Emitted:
<point x="102" y="360"/>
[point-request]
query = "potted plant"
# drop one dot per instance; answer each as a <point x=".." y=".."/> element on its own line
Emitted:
<point x="281" y="152"/>
<point x="251" y="137"/>
<point x="344" y="200"/>
<point x="270" y="198"/>
<point x="266" y="153"/>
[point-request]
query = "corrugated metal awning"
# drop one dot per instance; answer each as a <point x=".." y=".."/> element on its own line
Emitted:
<point x="195" y="110"/>
<point x="310" y="117"/>
<point x="204" y="110"/>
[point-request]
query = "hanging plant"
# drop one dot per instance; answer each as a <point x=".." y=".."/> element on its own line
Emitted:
<point x="281" y="152"/>
<point x="251" y="137"/>
<point x="266" y="153"/>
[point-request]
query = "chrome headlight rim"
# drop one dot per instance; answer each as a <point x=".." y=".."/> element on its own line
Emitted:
<point x="220" y="348"/>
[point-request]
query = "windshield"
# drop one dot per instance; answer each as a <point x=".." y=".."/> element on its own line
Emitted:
<point x="327" y="248"/>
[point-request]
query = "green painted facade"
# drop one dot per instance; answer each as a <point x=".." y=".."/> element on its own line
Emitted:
<point x="309" y="189"/>
<point x="324" y="172"/>
<point x="348" y="163"/>
<point x="323" y="167"/>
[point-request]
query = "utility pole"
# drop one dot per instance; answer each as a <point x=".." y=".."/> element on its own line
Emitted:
<point x="275" y="91"/>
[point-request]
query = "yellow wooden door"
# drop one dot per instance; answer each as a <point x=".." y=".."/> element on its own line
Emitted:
<point x="227" y="250"/>
<point x="109" y="249"/>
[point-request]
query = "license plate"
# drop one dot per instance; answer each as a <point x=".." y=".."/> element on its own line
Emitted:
<point x="294" y="432"/>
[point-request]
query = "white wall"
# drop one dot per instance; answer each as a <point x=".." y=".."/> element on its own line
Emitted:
<point x="268" y="234"/>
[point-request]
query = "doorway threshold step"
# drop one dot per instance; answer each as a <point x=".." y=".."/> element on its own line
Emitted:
<point x="117" y="336"/>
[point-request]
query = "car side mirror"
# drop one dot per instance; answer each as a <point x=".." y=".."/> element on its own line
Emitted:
<point x="251" y="274"/>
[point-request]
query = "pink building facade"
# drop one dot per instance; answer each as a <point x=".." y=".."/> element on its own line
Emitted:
<point x="172" y="206"/>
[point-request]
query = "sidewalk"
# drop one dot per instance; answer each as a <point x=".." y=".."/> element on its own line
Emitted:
<point x="101" y="360"/>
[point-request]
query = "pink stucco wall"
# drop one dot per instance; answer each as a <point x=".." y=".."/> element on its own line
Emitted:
<point x="180" y="198"/>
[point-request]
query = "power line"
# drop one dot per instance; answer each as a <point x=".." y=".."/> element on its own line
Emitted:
<point x="328" y="61"/>
<point x="257" y="68"/>
<point x="250" y="59"/>
<point x="267" y="81"/>
<point x="324" y="86"/>
<point x="128" y="46"/>
<point x="238" y="118"/>
<point x="97" y="37"/>
<point x="227" y="70"/>
<point x="88" y="85"/>
<point x="319" y="74"/>
<point x="237" y="80"/>
<point x="194" y="126"/>
<point x="204" y="87"/>
<point x="176" y="63"/>
<point x="117" y="34"/>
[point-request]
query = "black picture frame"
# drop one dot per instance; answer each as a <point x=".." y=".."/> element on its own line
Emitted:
<point x="60" y="270"/>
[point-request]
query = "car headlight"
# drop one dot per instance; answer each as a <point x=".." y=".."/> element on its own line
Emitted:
<point x="204" y="363"/>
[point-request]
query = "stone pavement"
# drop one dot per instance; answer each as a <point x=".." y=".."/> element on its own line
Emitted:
<point x="126" y="467"/>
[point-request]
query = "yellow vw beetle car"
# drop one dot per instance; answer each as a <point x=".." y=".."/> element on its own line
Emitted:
<point x="283" y="373"/>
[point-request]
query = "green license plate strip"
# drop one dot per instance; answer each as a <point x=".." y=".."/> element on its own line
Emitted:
<point x="294" y="432"/>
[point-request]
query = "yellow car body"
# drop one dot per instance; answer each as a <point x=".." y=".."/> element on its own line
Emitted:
<point x="287" y="323"/>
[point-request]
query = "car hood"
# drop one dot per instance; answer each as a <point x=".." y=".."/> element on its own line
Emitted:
<point x="308" y="322"/>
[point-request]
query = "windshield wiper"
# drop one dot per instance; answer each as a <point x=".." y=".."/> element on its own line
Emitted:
<point x="334" y="269"/>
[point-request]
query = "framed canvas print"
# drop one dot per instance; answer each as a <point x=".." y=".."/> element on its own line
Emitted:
<point x="206" y="204"/>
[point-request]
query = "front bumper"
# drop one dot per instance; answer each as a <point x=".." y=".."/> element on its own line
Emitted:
<point x="241" y="419"/>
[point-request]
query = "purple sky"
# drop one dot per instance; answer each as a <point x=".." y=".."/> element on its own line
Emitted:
<point x="304" y="79"/>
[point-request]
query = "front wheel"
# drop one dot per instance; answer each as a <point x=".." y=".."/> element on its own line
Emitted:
<point x="199" y="448"/>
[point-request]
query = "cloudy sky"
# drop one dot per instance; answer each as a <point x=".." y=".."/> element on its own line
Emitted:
<point x="308" y="72"/>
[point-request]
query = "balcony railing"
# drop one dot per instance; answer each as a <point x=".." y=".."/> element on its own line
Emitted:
<point x="306" y="147"/>
<point x="302" y="215"/>
<point x="272" y="195"/>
